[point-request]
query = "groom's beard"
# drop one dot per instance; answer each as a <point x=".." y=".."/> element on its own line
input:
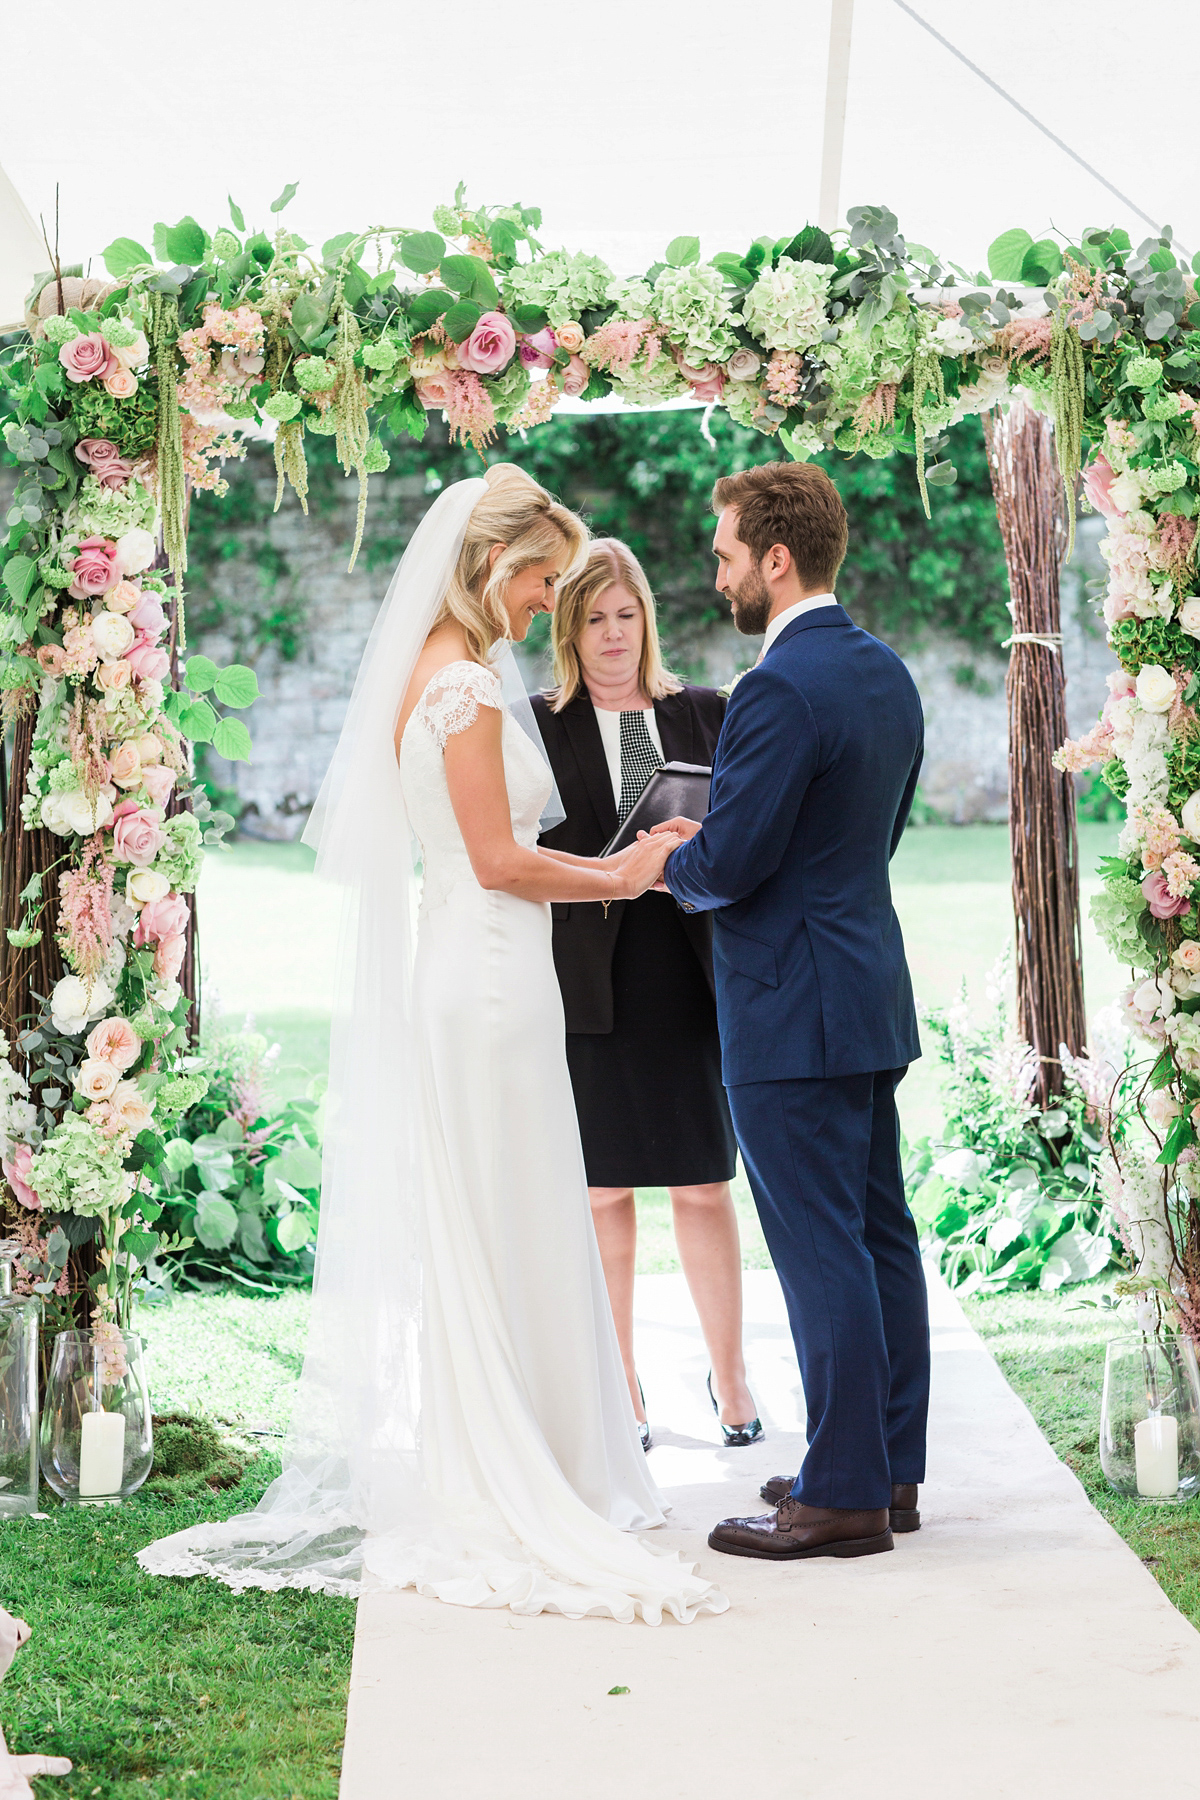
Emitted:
<point x="751" y="605"/>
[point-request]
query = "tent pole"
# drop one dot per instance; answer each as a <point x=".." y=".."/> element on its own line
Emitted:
<point x="841" y="20"/>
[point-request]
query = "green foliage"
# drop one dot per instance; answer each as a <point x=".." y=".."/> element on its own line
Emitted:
<point x="242" y="1176"/>
<point x="1007" y="1194"/>
<point x="192" y="1457"/>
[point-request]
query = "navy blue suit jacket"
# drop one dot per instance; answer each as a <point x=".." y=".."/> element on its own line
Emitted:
<point x="813" y="778"/>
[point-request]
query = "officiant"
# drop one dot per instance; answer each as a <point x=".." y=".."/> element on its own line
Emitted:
<point x="637" y="984"/>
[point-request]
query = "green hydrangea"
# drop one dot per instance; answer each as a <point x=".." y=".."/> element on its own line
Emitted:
<point x="110" y="512"/>
<point x="59" y="331"/>
<point x="860" y="359"/>
<point x="1115" y="912"/>
<point x="650" y="386"/>
<point x="383" y="356"/>
<point x="632" y="299"/>
<point x="508" y="390"/>
<point x="119" y="332"/>
<point x="64" y="777"/>
<point x="1143" y="372"/>
<point x="447" y="220"/>
<point x="563" y="284"/>
<point x="786" y="307"/>
<point x="282" y="406"/>
<point x="741" y="400"/>
<point x="314" y="375"/>
<point x="79" y="1170"/>
<point x="182" y="857"/>
<point x="225" y="245"/>
<point x="1161" y="408"/>
<point x="690" y="303"/>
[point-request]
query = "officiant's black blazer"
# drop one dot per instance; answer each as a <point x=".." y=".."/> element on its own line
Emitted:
<point x="689" y="724"/>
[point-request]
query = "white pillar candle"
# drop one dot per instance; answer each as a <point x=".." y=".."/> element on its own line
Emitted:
<point x="1156" y="1455"/>
<point x="102" y="1453"/>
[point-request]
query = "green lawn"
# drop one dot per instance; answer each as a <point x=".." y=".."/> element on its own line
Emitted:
<point x="1051" y="1350"/>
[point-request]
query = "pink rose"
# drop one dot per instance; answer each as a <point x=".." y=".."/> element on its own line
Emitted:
<point x="707" y="383"/>
<point x="1097" y="483"/>
<point x="490" y="346"/>
<point x="158" y="783"/>
<point x="148" y="616"/>
<point x="17" y="1169"/>
<point x="104" y="461"/>
<point x="161" y="919"/>
<point x="51" y="659"/>
<point x="114" y="1041"/>
<point x="94" y="569"/>
<point x="575" y="377"/>
<point x="121" y="383"/>
<point x="148" y="662"/>
<point x="437" y="390"/>
<point x="1162" y="903"/>
<point x="537" y="352"/>
<point x="87" y="358"/>
<point x="168" y="958"/>
<point x="137" y="835"/>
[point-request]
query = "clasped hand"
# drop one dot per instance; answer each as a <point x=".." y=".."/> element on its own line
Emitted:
<point x="640" y="866"/>
<point x="679" y="830"/>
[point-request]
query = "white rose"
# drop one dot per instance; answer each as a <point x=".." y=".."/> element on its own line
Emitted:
<point x="132" y="356"/>
<point x="96" y="1078"/>
<point x="1189" y="617"/>
<point x="83" y="815"/>
<point x="136" y="550"/>
<point x="1155" y="688"/>
<point x="144" y="885"/>
<point x="953" y="338"/>
<point x="166" y="994"/>
<point x="743" y="365"/>
<point x="112" y="633"/>
<point x="1190" y="816"/>
<point x="52" y="815"/>
<point x="71" y="1006"/>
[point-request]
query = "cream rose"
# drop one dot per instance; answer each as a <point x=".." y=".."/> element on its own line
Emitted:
<point x="83" y="815"/>
<point x="570" y="336"/>
<point x="132" y="355"/>
<point x="125" y="765"/>
<point x="149" y="747"/>
<point x="1155" y="688"/>
<point x="1188" y="954"/>
<point x="1189" y="617"/>
<point x="144" y="885"/>
<point x="743" y="365"/>
<point x="130" y="1109"/>
<point x="135" y="551"/>
<point x="123" y="598"/>
<point x="113" y="676"/>
<point x="112" y="634"/>
<point x="1190" y="819"/>
<point x="96" y="1079"/>
<point x="71" y="1004"/>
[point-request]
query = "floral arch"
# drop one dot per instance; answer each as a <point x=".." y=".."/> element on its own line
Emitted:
<point x="126" y="394"/>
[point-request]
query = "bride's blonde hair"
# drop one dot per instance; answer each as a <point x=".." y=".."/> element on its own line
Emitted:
<point x="532" y="527"/>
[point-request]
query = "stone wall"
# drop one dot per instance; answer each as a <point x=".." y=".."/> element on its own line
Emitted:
<point x="296" y="723"/>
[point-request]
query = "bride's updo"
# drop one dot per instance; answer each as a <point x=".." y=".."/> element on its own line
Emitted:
<point x="533" y="528"/>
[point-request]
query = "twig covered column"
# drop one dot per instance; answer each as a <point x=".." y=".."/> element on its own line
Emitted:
<point x="1045" y="847"/>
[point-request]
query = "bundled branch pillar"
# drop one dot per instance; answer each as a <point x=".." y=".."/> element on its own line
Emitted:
<point x="1045" y="846"/>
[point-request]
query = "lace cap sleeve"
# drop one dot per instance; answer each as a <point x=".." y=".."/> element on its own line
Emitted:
<point x="453" y="697"/>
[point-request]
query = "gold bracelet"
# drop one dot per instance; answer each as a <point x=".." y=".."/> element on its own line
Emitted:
<point x="613" y="896"/>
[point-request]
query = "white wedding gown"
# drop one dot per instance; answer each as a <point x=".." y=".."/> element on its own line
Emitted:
<point x="532" y="1474"/>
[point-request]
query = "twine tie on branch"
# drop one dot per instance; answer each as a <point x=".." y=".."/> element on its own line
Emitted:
<point x="1050" y="640"/>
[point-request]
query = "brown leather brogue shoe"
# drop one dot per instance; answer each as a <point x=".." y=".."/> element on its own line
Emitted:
<point x="794" y="1530"/>
<point x="902" y="1514"/>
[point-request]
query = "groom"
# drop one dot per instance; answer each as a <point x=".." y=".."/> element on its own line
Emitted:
<point x="813" y="778"/>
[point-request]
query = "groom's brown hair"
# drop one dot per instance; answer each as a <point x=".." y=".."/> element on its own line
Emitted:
<point x="794" y="504"/>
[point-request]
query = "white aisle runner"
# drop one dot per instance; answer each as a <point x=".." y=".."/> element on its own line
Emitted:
<point x="1013" y="1647"/>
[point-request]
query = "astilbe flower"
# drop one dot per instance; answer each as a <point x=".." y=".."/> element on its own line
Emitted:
<point x="1024" y="340"/>
<point x="543" y="397"/>
<point x="783" y="376"/>
<point x="615" y="345"/>
<point x="36" y="1249"/>
<point x="1183" y="719"/>
<point x="470" y="413"/>
<point x="1176" y="546"/>
<point x="876" y="411"/>
<point x="85" y="739"/>
<point x="85" y="924"/>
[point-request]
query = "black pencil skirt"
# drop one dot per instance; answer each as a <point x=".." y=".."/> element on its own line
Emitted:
<point x="652" y="1110"/>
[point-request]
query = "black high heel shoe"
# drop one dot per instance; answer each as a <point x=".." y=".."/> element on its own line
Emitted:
<point x="643" y="1425"/>
<point x="736" y="1436"/>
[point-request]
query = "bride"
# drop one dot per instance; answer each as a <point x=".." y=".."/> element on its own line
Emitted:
<point x="462" y="1423"/>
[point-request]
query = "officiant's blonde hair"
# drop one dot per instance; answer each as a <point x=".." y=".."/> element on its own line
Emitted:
<point x="533" y="527"/>
<point x="610" y="563"/>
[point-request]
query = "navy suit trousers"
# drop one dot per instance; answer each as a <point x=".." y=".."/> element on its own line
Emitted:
<point x="823" y="1158"/>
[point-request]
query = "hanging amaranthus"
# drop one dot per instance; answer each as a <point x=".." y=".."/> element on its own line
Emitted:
<point x="291" y="464"/>
<point x="350" y="410"/>
<point x="1066" y="382"/>
<point x="926" y="375"/>
<point x="172" y="486"/>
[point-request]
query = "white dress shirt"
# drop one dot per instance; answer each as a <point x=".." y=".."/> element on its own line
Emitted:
<point x="793" y="612"/>
<point x="610" y="737"/>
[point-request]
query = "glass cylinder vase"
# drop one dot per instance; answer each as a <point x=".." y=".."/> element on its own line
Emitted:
<point x="97" y="1443"/>
<point x="19" y="1319"/>
<point x="1150" y="1417"/>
